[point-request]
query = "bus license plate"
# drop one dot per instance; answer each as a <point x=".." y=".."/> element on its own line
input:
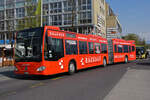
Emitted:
<point x="26" y="73"/>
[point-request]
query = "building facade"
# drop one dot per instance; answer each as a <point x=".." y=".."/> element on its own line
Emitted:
<point x="113" y="26"/>
<point x="82" y="16"/>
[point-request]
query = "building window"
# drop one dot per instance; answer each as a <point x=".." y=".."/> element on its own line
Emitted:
<point x="84" y="4"/>
<point x="10" y="13"/>
<point x="1" y="2"/>
<point x="46" y="20"/>
<point x="20" y="23"/>
<point x="56" y="7"/>
<point x="20" y="12"/>
<point x="45" y="9"/>
<point x="67" y="19"/>
<point x="9" y="3"/>
<point x="19" y="0"/>
<point x="2" y="25"/>
<point x="69" y="5"/>
<point x="56" y="19"/>
<point x="20" y="3"/>
<point x="10" y="25"/>
<point x="1" y="14"/>
<point x="85" y="17"/>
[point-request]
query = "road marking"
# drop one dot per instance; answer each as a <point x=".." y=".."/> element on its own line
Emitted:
<point x="4" y="78"/>
<point x="11" y="93"/>
<point x="8" y="93"/>
<point x="128" y="68"/>
<point x="37" y="85"/>
<point x="42" y="84"/>
<point x="57" y="78"/>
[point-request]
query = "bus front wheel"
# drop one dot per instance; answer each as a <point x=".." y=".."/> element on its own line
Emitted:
<point x="126" y="59"/>
<point x="72" y="68"/>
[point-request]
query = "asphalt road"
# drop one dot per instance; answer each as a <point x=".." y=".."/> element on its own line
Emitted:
<point x="90" y="84"/>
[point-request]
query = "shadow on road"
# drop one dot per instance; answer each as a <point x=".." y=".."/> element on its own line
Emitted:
<point x="142" y="64"/>
<point x="11" y="74"/>
<point x="145" y="62"/>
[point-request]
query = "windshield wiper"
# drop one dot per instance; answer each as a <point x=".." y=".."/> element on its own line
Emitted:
<point x="19" y="53"/>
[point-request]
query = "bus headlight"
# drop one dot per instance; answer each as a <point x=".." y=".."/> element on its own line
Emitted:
<point x="42" y="68"/>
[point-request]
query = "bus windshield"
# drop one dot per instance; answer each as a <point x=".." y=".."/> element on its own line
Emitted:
<point x="29" y="45"/>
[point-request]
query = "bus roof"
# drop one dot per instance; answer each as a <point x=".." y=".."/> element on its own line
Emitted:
<point x="62" y="33"/>
<point x="52" y="27"/>
<point x="123" y="42"/>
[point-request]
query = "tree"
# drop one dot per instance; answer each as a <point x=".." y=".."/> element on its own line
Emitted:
<point x="132" y="37"/>
<point x="136" y="38"/>
<point x="32" y="15"/>
<point x="38" y="13"/>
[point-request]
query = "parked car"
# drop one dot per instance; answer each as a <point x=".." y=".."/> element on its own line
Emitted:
<point x="141" y="53"/>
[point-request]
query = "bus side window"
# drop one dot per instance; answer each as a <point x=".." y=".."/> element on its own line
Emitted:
<point x="125" y="48"/>
<point x="104" y="48"/>
<point x="83" y="47"/>
<point x="133" y="48"/>
<point x="120" y="49"/>
<point x="97" y="48"/>
<point x="91" y="48"/>
<point x="129" y="48"/>
<point x="71" y="47"/>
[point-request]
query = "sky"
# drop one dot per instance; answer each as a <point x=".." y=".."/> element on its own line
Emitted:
<point x="134" y="16"/>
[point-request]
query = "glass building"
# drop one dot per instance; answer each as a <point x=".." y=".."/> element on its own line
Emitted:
<point x="82" y="16"/>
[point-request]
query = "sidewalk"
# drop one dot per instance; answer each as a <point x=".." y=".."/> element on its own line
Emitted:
<point x="135" y="85"/>
<point x="6" y="68"/>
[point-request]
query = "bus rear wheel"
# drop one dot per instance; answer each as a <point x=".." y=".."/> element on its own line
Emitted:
<point x="104" y="62"/>
<point x="72" y="68"/>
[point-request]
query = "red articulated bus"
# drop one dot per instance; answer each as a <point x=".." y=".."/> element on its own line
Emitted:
<point x="121" y="51"/>
<point x="49" y="50"/>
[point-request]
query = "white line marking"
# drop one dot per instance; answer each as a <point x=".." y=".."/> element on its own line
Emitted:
<point x="4" y="78"/>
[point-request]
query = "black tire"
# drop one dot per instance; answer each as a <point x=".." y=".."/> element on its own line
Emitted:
<point x="104" y="62"/>
<point x="71" y="68"/>
<point x="126" y="60"/>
